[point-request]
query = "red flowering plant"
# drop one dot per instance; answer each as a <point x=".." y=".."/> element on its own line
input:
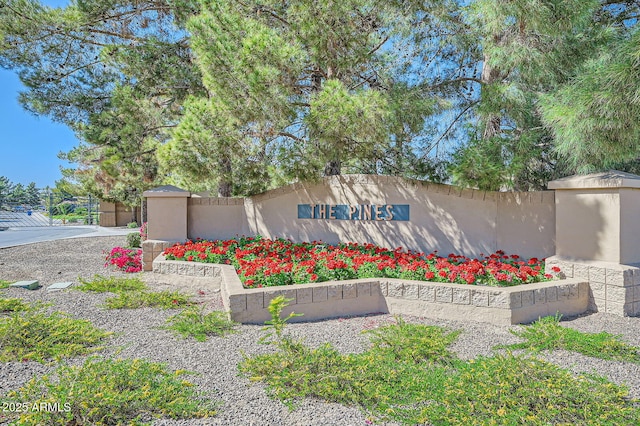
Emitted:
<point x="125" y="259"/>
<point x="262" y="262"/>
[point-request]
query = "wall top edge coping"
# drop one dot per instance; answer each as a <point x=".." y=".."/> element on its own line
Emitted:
<point x="604" y="180"/>
<point x="167" y="191"/>
<point x="597" y="263"/>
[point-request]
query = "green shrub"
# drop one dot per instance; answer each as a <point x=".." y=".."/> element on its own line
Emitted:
<point x="195" y="323"/>
<point x="37" y="336"/>
<point x="132" y="225"/>
<point x="548" y="334"/>
<point x="111" y="392"/>
<point x="102" y="284"/>
<point x="512" y="390"/>
<point x="143" y="299"/>
<point x="409" y="376"/>
<point x="12" y="305"/>
<point x="134" y="240"/>
<point x="414" y="342"/>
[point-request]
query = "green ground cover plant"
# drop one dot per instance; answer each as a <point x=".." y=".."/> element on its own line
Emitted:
<point x="148" y="299"/>
<point x="132" y="293"/>
<point x="34" y="335"/>
<point x="548" y="334"/>
<point x="193" y="322"/>
<point x="409" y="375"/>
<point x="12" y="305"/>
<point x="101" y="284"/>
<point x="4" y="284"/>
<point x="87" y="394"/>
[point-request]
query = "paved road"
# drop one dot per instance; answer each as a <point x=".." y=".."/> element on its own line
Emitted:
<point x="19" y="236"/>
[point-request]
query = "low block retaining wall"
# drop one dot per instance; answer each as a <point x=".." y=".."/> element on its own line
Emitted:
<point x="496" y="305"/>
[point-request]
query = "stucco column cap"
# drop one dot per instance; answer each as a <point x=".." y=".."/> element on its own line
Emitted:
<point x="167" y="191"/>
<point x="610" y="179"/>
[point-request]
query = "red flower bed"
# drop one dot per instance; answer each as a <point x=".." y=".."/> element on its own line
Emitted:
<point x="261" y="262"/>
<point x="125" y="259"/>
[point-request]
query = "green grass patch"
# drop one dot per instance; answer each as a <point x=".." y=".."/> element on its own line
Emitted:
<point x="408" y="375"/>
<point x="132" y="293"/>
<point x="111" y="392"/>
<point x="150" y="299"/>
<point x="193" y="322"/>
<point x="548" y="334"/>
<point x="4" y="284"/>
<point x="100" y="284"/>
<point x="38" y="336"/>
<point x="12" y="305"/>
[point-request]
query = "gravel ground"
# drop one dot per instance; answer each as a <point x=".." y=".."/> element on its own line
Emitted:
<point x="214" y="361"/>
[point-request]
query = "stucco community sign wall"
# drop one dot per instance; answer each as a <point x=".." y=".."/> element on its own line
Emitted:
<point x="587" y="225"/>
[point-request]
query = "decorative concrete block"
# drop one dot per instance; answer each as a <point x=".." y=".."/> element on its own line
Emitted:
<point x="461" y="296"/>
<point x="616" y="308"/>
<point x="209" y="271"/>
<point x="527" y="298"/>
<point x="411" y="291"/>
<point x="598" y="290"/>
<point x="427" y="292"/>
<point x="395" y="289"/>
<point x="384" y="288"/>
<point x="581" y="271"/>
<point x="597" y="274"/>
<point x="597" y="305"/>
<point x="238" y="302"/>
<point x="304" y="295"/>
<point x="198" y="270"/>
<point x="515" y="299"/>
<point x="540" y="295"/>
<point x="287" y="294"/>
<point x="255" y="301"/>
<point x="574" y="291"/>
<point x="568" y="269"/>
<point x="583" y="289"/>
<point x="349" y="291"/>
<point x="444" y="294"/>
<point x="320" y="294"/>
<point x="620" y="294"/>
<point x="334" y="292"/>
<point x="636" y="293"/>
<point x="172" y="268"/>
<point x="184" y="269"/>
<point x="636" y="276"/>
<point x="363" y="289"/>
<point x="479" y="298"/>
<point x="552" y="294"/>
<point x="563" y="293"/>
<point x="147" y="256"/>
<point x="499" y="300"/>
<point x="615" y="278"/>
<point x="636" y="309"/>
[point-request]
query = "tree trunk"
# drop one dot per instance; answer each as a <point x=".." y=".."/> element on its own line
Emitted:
<point x="225" y="185"/>
<point x="332" y="168"/>
<point x="492" y="121"/>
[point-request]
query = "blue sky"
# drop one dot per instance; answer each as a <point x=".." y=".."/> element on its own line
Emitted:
<point x="29" y="145"/>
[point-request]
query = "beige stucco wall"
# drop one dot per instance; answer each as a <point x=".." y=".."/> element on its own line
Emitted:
<point x="439" y="219"/>
<point x="629" y="226"/>
<point x="221" y="218"/>
<point x="588" y="224"/>
<point x="167" y="218"/>
<point x="526" y="223"/>
<point x="442" y="217"/>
